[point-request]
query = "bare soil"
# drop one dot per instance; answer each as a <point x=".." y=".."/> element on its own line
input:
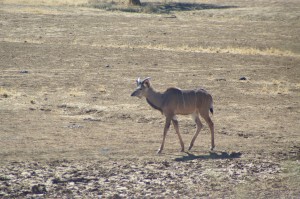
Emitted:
<point x="69" y="128"/>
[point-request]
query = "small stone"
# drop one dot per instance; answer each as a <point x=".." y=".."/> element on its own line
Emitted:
<point x="116" y="196"/>
<point x="38" y="189"/>
<point x="220" y="79"/>
<point x="4" y="178"/>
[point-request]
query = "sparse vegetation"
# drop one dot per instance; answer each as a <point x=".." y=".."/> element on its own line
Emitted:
<point x="123" y="7"/>
<point x="46" y="2"/>
<point x="152" y="7"/>
<point x="5" y="93"/>
<point x="69" y="128"/>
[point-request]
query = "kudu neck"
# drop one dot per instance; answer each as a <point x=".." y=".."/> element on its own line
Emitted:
<point x="154" y="98"/>
<point x="151" y="93"/>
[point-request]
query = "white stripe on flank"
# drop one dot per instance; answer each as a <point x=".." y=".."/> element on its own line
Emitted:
<point x="183" y="99"/>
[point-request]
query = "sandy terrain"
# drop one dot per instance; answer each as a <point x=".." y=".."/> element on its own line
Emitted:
<point x="69" y="128"/>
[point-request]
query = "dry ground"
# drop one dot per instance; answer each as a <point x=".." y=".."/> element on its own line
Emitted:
<point x="69" y="128"/>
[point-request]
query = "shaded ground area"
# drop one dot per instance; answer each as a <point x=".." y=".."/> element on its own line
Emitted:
<point x="212" y="155"/>
<point x="171" y="7"/>
<point x="157" y="7"/>
<point x="69" y="128"/>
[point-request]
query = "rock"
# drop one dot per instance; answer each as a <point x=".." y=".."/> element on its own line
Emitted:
<point x="75" y="126"/>
<point x="92" y="119"/>
<point x="38" y="189"/>
<point x="116" y="196"/>
<point x="4" y="178"/>
<point x="171" y="16"/>
<point x="243" y="78"/>
<point x="24" y="71"/>
<point x="45" y="109"/>
<point x="3" y="193"/>
<point x="220" y="79"/>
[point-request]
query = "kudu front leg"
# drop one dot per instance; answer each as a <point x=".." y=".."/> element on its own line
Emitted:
<point x="167" y="126"/>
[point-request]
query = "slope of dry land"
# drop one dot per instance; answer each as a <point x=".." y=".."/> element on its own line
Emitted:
<point x="69" y="128"/>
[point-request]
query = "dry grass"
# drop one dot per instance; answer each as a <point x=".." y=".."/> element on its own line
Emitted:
<point x="281" y="186"/>
<point x="47" y="2"/>
<point x="6" y="93"/>
<point x="75" y="92"/>
<point x="3" y="92"/>
<point x="291" y="173"/>
<point x="75" y="101"/>
<point x="228" y="50"/>
<point x="278" y="86"/>
<point x="238" y="51"/>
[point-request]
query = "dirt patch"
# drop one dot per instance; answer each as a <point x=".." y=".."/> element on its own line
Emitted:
<point x="69" y="127"/>
<point x="133" y="178"/>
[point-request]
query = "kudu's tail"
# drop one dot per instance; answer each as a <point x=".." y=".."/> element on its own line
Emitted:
<point x="211" y="109"/>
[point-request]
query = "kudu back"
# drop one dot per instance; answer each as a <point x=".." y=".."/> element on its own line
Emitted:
<point x="174" y="102"/>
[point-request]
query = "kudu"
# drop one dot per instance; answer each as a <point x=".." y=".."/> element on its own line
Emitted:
<point x="176" y="101"/>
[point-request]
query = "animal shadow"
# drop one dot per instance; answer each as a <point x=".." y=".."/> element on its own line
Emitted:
<point x="211" y="155"/>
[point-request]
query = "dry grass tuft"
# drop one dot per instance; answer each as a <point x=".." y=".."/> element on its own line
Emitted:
<point x="200" y="49"/>
<point x="123" y="6"/>
<point x="278" y="87"/>
<point x="241" y="51"/>
<point x="76" y="92"/>
<point x="4" y="93"/>
<point x="47" y="2"/>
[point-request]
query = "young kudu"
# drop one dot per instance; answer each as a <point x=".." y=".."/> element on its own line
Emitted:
<point x="175" y="101"/>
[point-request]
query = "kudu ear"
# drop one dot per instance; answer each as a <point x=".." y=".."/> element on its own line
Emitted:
<point x="146" y="82"/>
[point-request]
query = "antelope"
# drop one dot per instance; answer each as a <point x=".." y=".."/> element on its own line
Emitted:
<point x="174" y="102"/>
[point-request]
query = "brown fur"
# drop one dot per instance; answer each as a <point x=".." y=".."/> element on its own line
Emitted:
<point x="175" y="101"/>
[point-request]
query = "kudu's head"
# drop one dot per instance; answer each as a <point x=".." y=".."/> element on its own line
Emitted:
<point x="142" y="88"/>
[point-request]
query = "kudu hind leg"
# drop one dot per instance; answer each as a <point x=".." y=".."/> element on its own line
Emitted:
<point x="212" y="130"/>
<point x="175" y="123"/>
<point x="199" y="126"/>
<point x="167" y="126"/>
